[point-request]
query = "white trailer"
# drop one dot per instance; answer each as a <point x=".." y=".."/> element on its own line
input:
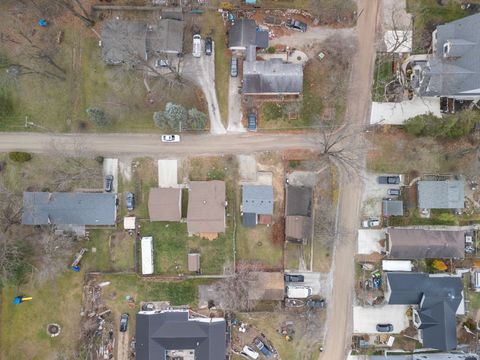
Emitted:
<point x="397" y="265"/>
<point x="147" y="255"/>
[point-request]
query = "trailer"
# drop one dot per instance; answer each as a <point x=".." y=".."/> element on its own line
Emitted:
<point x="147" y="255"/>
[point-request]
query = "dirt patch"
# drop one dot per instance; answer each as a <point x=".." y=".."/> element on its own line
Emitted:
<point x="278" y="232"/>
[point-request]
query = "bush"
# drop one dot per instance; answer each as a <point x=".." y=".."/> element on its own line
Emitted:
<point x="19" y="156"/>
<point x="271" y="50"/>
<point x="98" y="117"/>
<point x="175" y="114"/>
<point x="197" y="120"/>
<point x="99" y="159"/>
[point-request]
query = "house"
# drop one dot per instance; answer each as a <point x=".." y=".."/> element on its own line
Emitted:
<point x="193" y="261"/>
<point x="178" y="334"/>
<point x="165" y="204"/>
<point x="206" y="208"/>
<point x="257" y="200"/>
<point x="392" y="208"/>
<point x="298" y="212"/>
<point x="453" y="69"/>
<point x="266" y="286"/>
<point x="132" y="42"/>
<point x="245" y="33"/>
<point x="414" y="243"/>
<point x="69" y="208"/>
<point x="438" y="300"/>
<point x="447" y="194"/>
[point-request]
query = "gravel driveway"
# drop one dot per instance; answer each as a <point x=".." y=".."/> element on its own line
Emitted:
<point x="312" y="35"/>
<point x="110" y="167"/>
<point x="234" y="106"/>
<point x="365" y="319"/>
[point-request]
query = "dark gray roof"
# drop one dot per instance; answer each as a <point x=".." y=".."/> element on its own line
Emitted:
<point x="249" y="219"/>
<point x="43" y="208"/>
<point x="124" y="41"/>
<point x="173" y="330"/>
<point x="299" y="201"/>
<point x="244" y="33"/>
<point x="410" y="243"/>
<point x="257" y="199"/>
<point x="165" y="37"/>
<point x="419" y="356"/>
<point x="448" y="194"/>
<point x="438" y="298"/>
<point x="457" y="70"/>
<point x="272" y="77"/>
<point x="392" y="208"/>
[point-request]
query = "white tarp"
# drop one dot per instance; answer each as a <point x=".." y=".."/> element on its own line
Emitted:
<point x="397" y="265"/>
<point x="129" y="223"/>
<point x="391" y="113"/>
<point x="147" y="255"/>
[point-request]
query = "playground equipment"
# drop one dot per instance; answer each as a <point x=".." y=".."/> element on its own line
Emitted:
<point x="21" y="298"/>
<point x="76" y="262"/>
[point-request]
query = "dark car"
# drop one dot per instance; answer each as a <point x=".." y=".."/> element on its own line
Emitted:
<point x="263" y="348"/>
<point x="124" y="322"/>
<point x="384" y="327"/>
<point x="293" y="278"/>
<point x="296" y="25"/>
<point x="252" y="122"/>
<point x="130" y="201"/>
<point x="393" y="192"/>
<point x="234" y="67"/>
<point x="208" y="46"/>
<point x="109" y="183"/>
<point x="389" y="180"/>
<point x="315" y="303"/>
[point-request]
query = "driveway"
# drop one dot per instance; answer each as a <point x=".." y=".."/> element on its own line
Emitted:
<point x="369" y="241"/>
<point x="365" y="319"/>
<point x="319" y="282"/>
<point x="122" y="346"/>
<point x="167" y="173"/>
<point x="315" y="34"/>
<point x="202" y="72"/>
<point x="110" y="167"/>
<point x="234" y="106"/>
<point x="374" y="193"/>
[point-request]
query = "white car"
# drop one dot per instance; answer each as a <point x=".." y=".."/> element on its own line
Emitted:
<point x="252" y="354"/>
<point x="370" y="223"/>
<point x="197" y="46"/>
<point x="170" y="138"/>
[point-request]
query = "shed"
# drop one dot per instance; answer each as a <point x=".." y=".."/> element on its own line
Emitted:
<point x="129" y="222"/>
<point x="392" y="208"/>
<point x="193" y="262"/>
<point x="165" y="204"/>
<point x="397" y="265"/>
<point x="245" y="33"/>
<point x="448" y="194"/>
<point x="147" y="255"/>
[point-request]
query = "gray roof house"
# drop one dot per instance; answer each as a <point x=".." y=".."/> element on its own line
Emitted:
<point x="439" y="299"/>
<point x="175" y="334"/>
<point x="256" y="200"/>
<point x="272" y="77"/>
<point x="447" y="194"/>
<point x="453" y="68"/>
<point x="165" y="37"/>
<point x="245" y="33"/>
<point x="392" y="208"/>
<point x="414" y="243"/>
<point x="63" y="208"/>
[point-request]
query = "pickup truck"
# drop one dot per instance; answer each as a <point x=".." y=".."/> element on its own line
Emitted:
<point x="389" y="180"/>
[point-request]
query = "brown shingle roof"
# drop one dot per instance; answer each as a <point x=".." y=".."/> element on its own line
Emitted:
<point x="206" y="207"/>
<point x="193" y="262"/>
<point x="298" y="227"/>
<point x="165" y="204"/>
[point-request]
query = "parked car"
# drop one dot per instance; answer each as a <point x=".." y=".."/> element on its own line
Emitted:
<point x="370" y="223"/>
<point x="130" y="201"/>
<point x="170" y="138"/>
<point x="394" y="192"/>
<point x="252" y="122"/>
<point x="298" y="292"/>
<point x="208" y="46"/>
<point x="384" y="327"/>
<point x="162" y="63"/>
<point x="124" y="322"/>
<point x="263" y="348"/>
<point x="389" y="180"/>
<point x="109" y="183"/>
<point x="296" y="25"/>
<point x="294" y="278"/>
<point x="248" y="351"/>
<point x="197" y="46"/>
<point x="234" y="67"/>
<point x="315" y="303"/>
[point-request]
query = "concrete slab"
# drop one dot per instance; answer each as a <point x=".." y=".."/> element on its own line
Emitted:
<point x="368" y="241"/>
<point x="110" y="167"/>
<point x="264" y="178"/>
<point x="302" y="178"/>
<point x="319" y="282"/>
<point x="167" y="173"/>
<point x="397" y="113"/>
<point x="365" y="319"/>
<point x="247" y="167"/>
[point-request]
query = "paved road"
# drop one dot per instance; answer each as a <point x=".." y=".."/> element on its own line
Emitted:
<point x="339" y="318"/>
<point x="114" y="145"/>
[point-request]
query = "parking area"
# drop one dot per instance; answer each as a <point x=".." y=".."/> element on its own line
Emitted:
<point x="365" y="319"/>
<point x="368" y="241"/>
<point x="201" y="71"/>
<point x="167" y="173"/>
<point x="319" y="282"/>
<point x="374" y="193"/>
<point x="110" y="167"/>
<point x="234" y="106"/>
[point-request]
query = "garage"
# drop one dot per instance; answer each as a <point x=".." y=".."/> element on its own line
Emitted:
<point x="365" y="319"/>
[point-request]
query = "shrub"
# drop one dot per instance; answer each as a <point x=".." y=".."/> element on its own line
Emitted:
<point x="197" y="120"/>
<point x="271" y="50"/>
<point x="19" y="156"/>
<point x="98" y="117"/>
<point x="99" y="159"/>
<point x="171" y="118"/>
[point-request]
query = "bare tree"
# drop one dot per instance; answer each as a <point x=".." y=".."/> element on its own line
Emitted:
<point x="77" y="9"/>
<point x="10" y="208"/>
<point x="11" y="259"/>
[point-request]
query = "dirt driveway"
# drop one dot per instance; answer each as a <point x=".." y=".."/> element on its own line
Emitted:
<point x="202" y="72"/>
<point x="234" y="106"/>
<point x="110" y="167"/>
<point x="313" y="34"/>
<point x="122" y="346"/>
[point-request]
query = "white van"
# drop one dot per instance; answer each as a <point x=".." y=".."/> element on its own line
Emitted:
<point x="197" y="45"/>
<point x="298" y="292"/>
<point x="247" y="350"/>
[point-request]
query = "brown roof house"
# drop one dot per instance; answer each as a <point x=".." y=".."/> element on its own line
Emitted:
<point x="206" y="208"/>
<point x="164" y="204"/>
<point x="298" y="214"/>
<point x="414" y="243"/>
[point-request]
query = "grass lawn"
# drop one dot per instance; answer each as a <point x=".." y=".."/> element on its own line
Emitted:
<point x="383" y="74"/>
<point x="255" y="245"/>
<point x="292" y="256"/>
<point x="114" y="250"/>
<point x="23" y="335"/>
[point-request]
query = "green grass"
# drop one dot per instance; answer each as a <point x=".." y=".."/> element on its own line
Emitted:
<point x="413" y="218"/>
<point x="255" y="245"/>
<point x="383" y="74"/>
<point x="114" y="250"/>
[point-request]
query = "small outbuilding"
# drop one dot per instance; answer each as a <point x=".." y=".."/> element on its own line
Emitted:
<point x="194" y="262"/>
<point x="447" y="194"/>
<point x="245" y="33"/>
<point x="392" y="208"/>
<point x="147" y="255"/>
<point x="129" y="223"/>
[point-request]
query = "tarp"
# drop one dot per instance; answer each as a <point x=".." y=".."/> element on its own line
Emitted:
<point x="147" y="255"/>
<point x="397" y="265"/>
<point x="129" y="223"/>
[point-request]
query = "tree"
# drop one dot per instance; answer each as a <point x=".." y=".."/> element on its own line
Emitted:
<point x="76" y="8"/>
<point x="197" y="120"/>
<point x="98" y="117"/>
<point x="439" y="265"/>
<point x="172" y="118"/>
<point x="14" y="266"/>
